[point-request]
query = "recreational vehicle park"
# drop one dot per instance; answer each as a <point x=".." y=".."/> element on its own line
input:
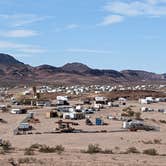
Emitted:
<point x="102" y="125"/>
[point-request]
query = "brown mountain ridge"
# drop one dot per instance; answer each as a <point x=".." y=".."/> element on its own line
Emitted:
<point x="13" y="71"/>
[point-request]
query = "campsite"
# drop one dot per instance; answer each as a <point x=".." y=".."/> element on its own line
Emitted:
<point x="71" y="122"/>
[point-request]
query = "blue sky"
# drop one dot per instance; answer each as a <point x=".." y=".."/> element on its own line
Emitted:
<point x="108" y="34"/>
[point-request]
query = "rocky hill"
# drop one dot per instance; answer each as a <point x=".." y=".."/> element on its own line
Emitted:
<point x="13" y="71"/>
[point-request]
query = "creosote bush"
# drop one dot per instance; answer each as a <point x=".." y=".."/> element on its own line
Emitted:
<point x="35" y="146"/>
<point x="59" y="149"/>
<point x="162" y="121"/>
<point x="132" y="150"/>
<point x="29" y="151"/>
<point x="155" y="141"/>
<point x="46" y="149"/>
<point x="152" y="152"/>
<point x="127" y="112"/>
<point x="27" y="160"/>
<point x="107" y="151"/>
<point x="5" y="146"/>
<point x="95" y="148"/>
<point x="137" y="115"/>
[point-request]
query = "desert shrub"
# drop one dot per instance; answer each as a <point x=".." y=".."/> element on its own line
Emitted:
<point x="47" y="149"/>
<point x="2" y="151"/>
<point x="35" y="146"/>
<point x="137" y="115"/>
<point x="4" y="110"/>
<point x="6" y="146"/>
<point x="147" y="142"/>
<point x="124" y="114"/>
<point x="130" y="113"/>
<point x="153" y="120"/>
<point x="29" y="151"/>
<point x="12" y="161"/>
<point x="59" y="149"/>
<point x="157" y="141"/>
<point x="152" y="152"/>
<point x="162" y="121"/>
<point x="126" y="109"/>
<point x="132" y="150"/>
<point x="27" y="160"/>
<point x="107" y="151"/>
<point x="117" y="148"/>
<point x="127" y="112"/>
<point x="93" y="148"/>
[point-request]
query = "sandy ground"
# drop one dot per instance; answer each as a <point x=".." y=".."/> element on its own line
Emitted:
<point x="74" y="143"/>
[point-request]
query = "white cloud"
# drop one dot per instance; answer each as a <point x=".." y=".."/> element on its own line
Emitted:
<point x="156" y="1"/>
<point x="112" y="19"/>
<point x="67" y="27"/>
<point x="133" y="8"/>
<point x="136" y="8"/>
<point x="147" y="8"/>
<point x="22" y="48"/>
<point x="72" y="26"/>
<point x="22" y="19"/>
<point x="19" y="33"/>
<point x="83" y="50"/>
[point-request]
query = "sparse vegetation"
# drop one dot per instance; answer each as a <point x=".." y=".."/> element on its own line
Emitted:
<point x="46" y="149"/>
<point x="29" y="151"/>
<point x="162" y="121"/>
<point x="93" y="148"/>
<point x="153" y="120"/>
<point x="5" y="146"/>
<point x="155" y="141"/>
<point x="137" y="115"/>
<point x="147" y="142"/>
<point x="27" y="160"/>
<point x="35" y="146"/>
<point x="2" y="151"/>
<point x="152" y="152"/>
<point x="127" y="109"/>
<point x="5" y="110"/>
<point x="127" y="112"/>
<point x="13" y="162"/>
<point x="59" y="149"/>
<point x="130" y="113"/>
<point x="132" y="150"/>
<point x="107" y="151"/>
<point x="117" y="148"/>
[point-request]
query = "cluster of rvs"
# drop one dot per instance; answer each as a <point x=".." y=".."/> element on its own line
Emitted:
<point x="149" y="100"/>
<point x="62" y="108"/>
<point x="92" y="88"/>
